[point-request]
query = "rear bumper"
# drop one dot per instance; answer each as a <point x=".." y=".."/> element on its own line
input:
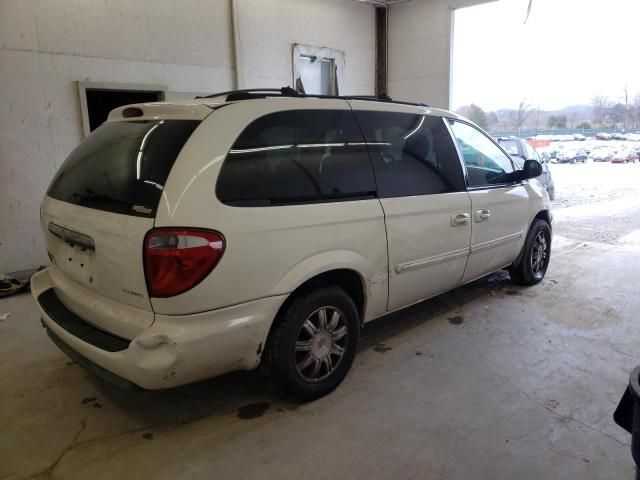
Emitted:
<point x="175" y="349"/>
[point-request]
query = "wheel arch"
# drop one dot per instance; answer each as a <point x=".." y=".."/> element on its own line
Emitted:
<point x="541" y="215"/>
<point x="348" y="279"/>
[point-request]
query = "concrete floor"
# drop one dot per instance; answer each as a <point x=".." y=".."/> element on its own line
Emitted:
<point x="490" y="381"/>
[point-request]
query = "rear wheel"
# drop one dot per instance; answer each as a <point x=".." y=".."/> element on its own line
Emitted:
<point x="536" y="254"/>
<point x="313" y="343"/>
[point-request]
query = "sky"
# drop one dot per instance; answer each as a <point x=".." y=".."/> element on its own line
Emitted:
<point x="567" y="52"/>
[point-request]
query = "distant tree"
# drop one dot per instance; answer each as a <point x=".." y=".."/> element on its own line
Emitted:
<point x="600" y="105"/>
<point x="523" y="112"/>
<point x="626" y="107"/>
<point x="584" y="125"/>
<point x="635" y="111"/>
<point x="492" y="118"/>
<point x="617" y="113"/>
<point x="477" y="115"/>
<point x="557" y="121"/>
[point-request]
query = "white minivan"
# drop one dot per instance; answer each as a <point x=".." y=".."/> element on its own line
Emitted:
<point x="249" y="228"/>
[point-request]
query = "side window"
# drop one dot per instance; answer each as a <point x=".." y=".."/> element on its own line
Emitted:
<point x="486" y="163"/>
<point x="297" y="156"/>
<point x="411" y="154"/>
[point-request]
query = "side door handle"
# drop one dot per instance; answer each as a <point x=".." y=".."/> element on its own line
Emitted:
<point x="481" y="215"/>
<point x="459" y="219"/>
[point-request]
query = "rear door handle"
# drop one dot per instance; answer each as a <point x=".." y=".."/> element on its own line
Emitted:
<point x="459" y="219"/>
<point x="481" y="215"/>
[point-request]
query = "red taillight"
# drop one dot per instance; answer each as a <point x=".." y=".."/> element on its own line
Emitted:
<point x="176" y="260"/>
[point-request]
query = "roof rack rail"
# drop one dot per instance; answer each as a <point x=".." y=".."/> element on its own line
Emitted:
<point x="252" y="93"/>
<point x="282" y="91"/>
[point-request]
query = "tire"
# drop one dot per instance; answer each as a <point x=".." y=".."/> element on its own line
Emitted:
<point x="528" y="271"/>
<point x="292" y="343"/>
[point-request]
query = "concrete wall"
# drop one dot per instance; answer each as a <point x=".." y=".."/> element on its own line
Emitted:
<point x="419" y="57"/>
<point x="46" y="46"/>
<point x="264" y="40"/>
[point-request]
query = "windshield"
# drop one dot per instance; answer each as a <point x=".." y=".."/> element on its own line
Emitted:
<point x="510" y="146"/>
<point x="519" y="161"/>
<point x="122" y="166"/>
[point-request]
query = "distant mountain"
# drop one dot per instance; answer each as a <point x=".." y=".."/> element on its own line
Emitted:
<point x="578" y="110"/>
<point x="574" y="113"/>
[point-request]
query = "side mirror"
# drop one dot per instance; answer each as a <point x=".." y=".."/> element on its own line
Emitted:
<point x="531" y="169"/>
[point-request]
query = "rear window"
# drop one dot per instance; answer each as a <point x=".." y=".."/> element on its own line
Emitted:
<point x="122" y="166"/>
<point x="297" y="156"/>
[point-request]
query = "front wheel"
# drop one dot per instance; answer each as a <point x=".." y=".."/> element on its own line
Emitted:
<point x="313" y="343"/>
<point x="535" y="257"/>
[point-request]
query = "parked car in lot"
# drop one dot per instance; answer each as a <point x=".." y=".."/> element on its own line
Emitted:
<point x="188" y="240"/>
<point x="603" y="136"/>
<point x="569" y="155"/>
<point x="549" y="154"/>
<point x="626" y="155"/>
<point x="520" y="151"/>
<point x="602" y="154"/>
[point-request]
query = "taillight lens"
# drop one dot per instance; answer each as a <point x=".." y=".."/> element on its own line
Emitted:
<point x="176" y="260"/>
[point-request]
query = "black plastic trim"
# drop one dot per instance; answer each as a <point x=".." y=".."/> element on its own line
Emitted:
<point x="91" y="367"/>
<point x="256" y="93"/>
<point x="78" y="327"/>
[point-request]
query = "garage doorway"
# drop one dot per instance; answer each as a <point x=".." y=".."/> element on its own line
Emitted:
<point x="98" y="99"/>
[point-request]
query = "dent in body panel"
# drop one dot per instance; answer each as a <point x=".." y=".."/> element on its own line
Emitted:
<point x="376" y="293"/>
<point x="372" y="273"/>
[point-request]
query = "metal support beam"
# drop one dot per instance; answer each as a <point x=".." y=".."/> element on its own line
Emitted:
<point x="382" y="24"/>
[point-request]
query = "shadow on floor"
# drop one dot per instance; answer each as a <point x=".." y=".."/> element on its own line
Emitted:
<point x="249" y="394"/>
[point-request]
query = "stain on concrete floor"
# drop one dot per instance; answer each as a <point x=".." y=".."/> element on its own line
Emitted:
<point x="253" y="410"/>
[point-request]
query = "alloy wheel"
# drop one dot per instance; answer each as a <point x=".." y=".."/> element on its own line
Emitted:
<point x="321" y="344"/>
<point x="539" y="255"/>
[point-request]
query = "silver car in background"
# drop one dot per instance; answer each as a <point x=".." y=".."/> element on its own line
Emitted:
<point x="520" y="151"/>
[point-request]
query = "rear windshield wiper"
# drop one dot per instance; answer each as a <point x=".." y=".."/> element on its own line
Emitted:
<point x="91" y="197"/>
<point x="98" y="197"/>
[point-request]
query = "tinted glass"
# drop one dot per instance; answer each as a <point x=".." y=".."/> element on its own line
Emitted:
<point x="122" y="166"/>
<point x="297" y="156"/>
<point x="412" y="154"/>
<point x="486" y="163"/>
